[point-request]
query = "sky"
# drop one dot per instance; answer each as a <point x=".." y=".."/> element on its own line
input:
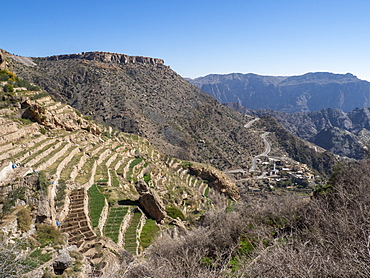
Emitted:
<point x="196" y="38"/>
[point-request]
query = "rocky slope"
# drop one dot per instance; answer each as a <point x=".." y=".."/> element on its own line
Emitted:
<point x="308" y="92"/>
<point x="69" y="190"/>
<point x="143" y="96"/>
<point x="345" y="134"/>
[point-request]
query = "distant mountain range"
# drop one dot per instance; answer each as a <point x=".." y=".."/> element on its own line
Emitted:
<point x="305" y="93"/>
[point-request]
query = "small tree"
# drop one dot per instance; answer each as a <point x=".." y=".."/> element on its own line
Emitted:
<point x="8" y="88"/>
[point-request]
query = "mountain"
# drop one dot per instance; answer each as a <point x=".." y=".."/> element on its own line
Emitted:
<point x="305" y="93"/>
<point x="143" y="96"/>
<point x="345" y="134"/>
<point x="79" y="197"/>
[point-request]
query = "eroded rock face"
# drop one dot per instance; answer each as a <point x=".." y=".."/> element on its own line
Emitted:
<point x="216" y="180"/>
<point x="109" y="57"/>
<point x="3" y="62"/>
<point x="150" y="202"/>
<point x="66" y="121"/>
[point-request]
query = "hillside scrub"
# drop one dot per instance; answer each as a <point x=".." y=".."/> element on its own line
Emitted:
<point x="281" y="236"/>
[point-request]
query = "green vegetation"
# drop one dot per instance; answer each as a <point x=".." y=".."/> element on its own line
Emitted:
<point x="135" y="162"/>
<point x="115" y="217"/>
<point x="186" y="164"/>
<point x="24" y="219"/>
<point x="86" y="171"/>
<point x="35" y="259"/>
<point x="39" y="95"/>
<point x="47" y="234"/>
<point x="61" y="193"/>
<point x="52" y="169"/>
<point x="32" y="156"/>
<point x="14" y="195"/>
<point x="175" y="212"/>
<point x="101" y="174"/>
<point x="130" y="236"/>
<point x="96" y="204"/>
<point x="148" y="232"/>
<point x="6" y="75"/>
<point x="8" y="88"/>
<point x="147" y="178"/>
<point x="115" y="181"/>
<point x="206" y="192"/>
<point x="43" y="182"/>
<point x="67" y="170"/>
<point x="50" y="155"/>
<point x="43" y="258"/>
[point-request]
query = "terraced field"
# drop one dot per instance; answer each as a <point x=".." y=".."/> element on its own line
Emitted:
<point x="98" y="172"/>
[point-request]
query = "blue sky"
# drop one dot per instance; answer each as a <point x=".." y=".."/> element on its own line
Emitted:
<point x="196" y="38"/>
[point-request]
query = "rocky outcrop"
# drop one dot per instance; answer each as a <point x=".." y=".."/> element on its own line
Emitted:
<point x="150" y="202"/>
<point x="61" y="263"/>
<point x="3" y="62"/>
<point x="67" y="121"/>
<point x="109" y="57"/>
<point x="215" y="179"/>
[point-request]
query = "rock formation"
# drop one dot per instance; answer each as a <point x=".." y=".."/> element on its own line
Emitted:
<point x="67" y="121"/>
<point x="2" y="61"/>
<point x="150" y="202"/>
<point x="216" y="180"/>
<point x="108" y="57"/>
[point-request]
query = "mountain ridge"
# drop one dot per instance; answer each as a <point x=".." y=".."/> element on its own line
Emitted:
<point x="148" y="99"/>
<point x="303" y="93"/>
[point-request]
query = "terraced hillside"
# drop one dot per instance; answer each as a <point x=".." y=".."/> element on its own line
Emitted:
<point x="91" y="174"/>
<point x="143" y="96"/>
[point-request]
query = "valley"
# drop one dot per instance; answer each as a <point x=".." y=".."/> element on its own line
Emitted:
<point x="93" y="199"/>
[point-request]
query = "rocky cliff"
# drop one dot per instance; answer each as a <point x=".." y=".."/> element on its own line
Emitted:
<point x="108" y="57"/>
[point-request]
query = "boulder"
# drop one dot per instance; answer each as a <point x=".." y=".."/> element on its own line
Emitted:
<point x="150" y="202"/>
<point x="61" y="263"/>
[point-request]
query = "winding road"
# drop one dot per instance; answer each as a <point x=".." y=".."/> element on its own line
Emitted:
<point x="265" y="153"/>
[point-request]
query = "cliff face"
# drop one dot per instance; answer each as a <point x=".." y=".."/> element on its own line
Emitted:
<point x="108" y="57"/>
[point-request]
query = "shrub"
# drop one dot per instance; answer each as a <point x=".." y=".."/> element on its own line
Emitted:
<point x="60" y="195"/>
<point x="174" y="213"/>
<point x="8" y="88"/>
<point x="43" y="182"/>
<point x="147" y="178"/>
<point x="43" y="130"/>
<point x="47" y="234"/>
<point x="34" y="88"/>
<point x="24" y="220"/>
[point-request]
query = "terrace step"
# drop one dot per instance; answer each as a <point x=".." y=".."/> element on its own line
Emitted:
<point x="76" y="224"/>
